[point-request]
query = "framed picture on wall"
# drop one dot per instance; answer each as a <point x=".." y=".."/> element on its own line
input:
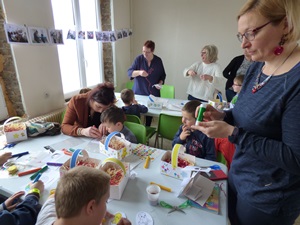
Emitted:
<point x="38" y="35"/>
<point x="56" y="36"/>
<point x="16" y="33"/>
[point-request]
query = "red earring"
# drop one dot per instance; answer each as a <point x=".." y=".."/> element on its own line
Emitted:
<point x="279" y="49"/>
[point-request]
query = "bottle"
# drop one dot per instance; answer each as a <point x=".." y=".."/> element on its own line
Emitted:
<point x="200" y="113"/>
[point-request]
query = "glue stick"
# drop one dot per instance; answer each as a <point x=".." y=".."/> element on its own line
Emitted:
<point x="200" y="113"/>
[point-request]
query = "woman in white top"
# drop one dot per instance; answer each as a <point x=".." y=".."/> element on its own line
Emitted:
<point x="205" y="76"/>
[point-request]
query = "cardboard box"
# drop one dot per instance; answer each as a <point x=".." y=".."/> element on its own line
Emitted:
<point x="169" y="162"/>
<point x="79" y="156"/>
<point x="14" y="130"/>
<point x="121" y="153"/>
<point x="116" y="191"/>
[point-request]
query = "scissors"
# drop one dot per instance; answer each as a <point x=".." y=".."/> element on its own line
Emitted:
<point x="174" y="208"/>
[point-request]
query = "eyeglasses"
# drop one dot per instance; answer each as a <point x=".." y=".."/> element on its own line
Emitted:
<point x="250" y="34"/>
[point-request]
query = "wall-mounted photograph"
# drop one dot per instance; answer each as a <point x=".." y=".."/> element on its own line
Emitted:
<point x="56" y="36"/>
<point x="38" y="35"/>
<point x="16" y="33"/>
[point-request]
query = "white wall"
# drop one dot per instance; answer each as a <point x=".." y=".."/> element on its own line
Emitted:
<point x="37" y="67"/>
<point x="121" y="48"/>
<point x="180" y="28"/>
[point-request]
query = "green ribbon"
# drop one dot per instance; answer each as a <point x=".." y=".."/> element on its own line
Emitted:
<point x="181" y="206"/>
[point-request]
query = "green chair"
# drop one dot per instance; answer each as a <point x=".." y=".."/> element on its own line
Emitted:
<point x="150" y="131"/>
<point x="167" y="91"/>
<point x="138" y="130"/>
<point x="168" y="125"/>
<point x="221" y="158"/>
<point x="129" y="84"/>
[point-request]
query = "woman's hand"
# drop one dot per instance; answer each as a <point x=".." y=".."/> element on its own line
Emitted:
<point x="4" y="157"/>
<point x="191" y="73"/>
<point x="206" y="77"/>
<point x="12" y="202"/>
<point x="143" y="73"/>
<point x="211" y="113"/>
<point x="92" y="131"/>
<point x="215" y="129"/>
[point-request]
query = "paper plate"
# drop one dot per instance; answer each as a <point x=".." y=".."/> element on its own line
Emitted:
<point x="143" y="218"/>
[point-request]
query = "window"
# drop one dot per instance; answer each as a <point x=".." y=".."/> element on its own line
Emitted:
<point x="81" y="59"/>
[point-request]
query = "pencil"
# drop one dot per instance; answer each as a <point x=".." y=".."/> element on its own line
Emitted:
<point x="37" y="178"/>
<point x="146" y="164"/>
<point x="40" y="171"/>
<point x="19" y="154"/>
<point x="162" y="187"/>
<point x="54" y="164"/>
<point x="29" y="172"/>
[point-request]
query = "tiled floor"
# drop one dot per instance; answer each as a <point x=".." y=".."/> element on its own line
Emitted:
<point x="168" y="146"/>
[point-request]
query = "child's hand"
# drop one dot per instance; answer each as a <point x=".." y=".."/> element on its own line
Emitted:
<point x="135" y="102"/>
<point x="185" y="132"/>
<point x="39" y="185"/>
<point x="4" y="157"/>
<point x="13" y="200"/>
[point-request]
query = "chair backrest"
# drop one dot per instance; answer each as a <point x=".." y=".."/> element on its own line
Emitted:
<point x="133" y="118"/>
<point x="138" y="130"/>
<point x="129" y="85"/>
<point x="167" y="91"/>
<point x="168" y="126"/>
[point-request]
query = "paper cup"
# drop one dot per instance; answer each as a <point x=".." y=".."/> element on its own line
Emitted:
<point x="153" y="192"/>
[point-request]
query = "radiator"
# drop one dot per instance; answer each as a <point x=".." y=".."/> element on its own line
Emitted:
<point x="3" y="108"/>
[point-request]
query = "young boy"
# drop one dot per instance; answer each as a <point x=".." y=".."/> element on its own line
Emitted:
<point x="195" y="142"/>
<point x="76" y="200"/>
<point x="131" y="105"/>
<point x="237" y="86"/>
<point x="24" y="212"/>
<point x="113" y="119"/>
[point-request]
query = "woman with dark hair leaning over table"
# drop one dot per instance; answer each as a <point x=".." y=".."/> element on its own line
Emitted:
<point x="148" y="73"/>
<point x="264" y="179"/>
<point x="82" y="117"/>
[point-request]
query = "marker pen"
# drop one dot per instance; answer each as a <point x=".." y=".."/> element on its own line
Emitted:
<point x="200" y="113"/>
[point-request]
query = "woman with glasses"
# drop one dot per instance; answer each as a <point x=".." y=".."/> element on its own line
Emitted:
<point x="205" y="76"/>
<point x="264" y="179"/>
<point x="238" y="65"/>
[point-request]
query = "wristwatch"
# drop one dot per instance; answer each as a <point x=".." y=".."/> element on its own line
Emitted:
<point x="35" y="191"/>
<point x="234" y="134"/>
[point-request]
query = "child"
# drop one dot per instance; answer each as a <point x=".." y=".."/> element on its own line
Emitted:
<point x="24" y="212"/>
<point x="76" y="200"/>
<point x="131" y="105"/>
<point x="237" y="86"/>
<point x="195" y="142"/>
<point x="113" y="119"/>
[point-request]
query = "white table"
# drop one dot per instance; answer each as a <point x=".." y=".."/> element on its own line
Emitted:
<point x="134" y="198"/>
<point x="143" y="99"/>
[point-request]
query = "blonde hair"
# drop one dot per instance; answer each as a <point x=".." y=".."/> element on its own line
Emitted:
<point x="239" y="79"/>
<point x="276" y="11"/>
<point x="212" y="53"/>
<point x="77" y="187"/>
